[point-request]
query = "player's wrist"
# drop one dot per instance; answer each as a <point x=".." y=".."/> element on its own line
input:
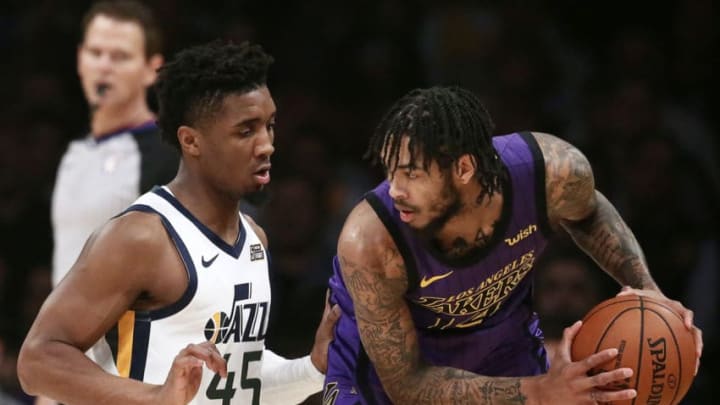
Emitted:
<point x="157" y="394"/>
<point x="531" y="387"/>
<point x="311" y="368"/>
<point x="318" y="361"/>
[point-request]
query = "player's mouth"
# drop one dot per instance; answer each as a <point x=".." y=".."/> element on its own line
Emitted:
<point x="406" y="214"/>
<point x="262" y="176"/>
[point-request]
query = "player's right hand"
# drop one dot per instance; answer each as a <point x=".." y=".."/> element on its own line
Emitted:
<point x="184" y="378"/>
<point x="568" y="382"/>
<point x="324" y="334"/>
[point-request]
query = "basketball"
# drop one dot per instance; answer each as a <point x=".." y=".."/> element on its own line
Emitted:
<point x="651" y="339"/>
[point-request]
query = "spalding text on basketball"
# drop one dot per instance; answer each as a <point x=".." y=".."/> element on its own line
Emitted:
<point x="659" y="355"/>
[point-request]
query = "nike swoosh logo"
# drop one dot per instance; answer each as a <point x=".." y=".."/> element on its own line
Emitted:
<point x="427" y="281"/>
<point x="207" y="263"/>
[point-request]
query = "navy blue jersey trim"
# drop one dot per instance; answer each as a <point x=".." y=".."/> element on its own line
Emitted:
<point x="233" y="251"/>
<point x="111" y="337"/>
<point x="187" y="260"/>
<point x="541" y="198"/>
<point x="141" y="342"/>
<point x="397" y="236"/>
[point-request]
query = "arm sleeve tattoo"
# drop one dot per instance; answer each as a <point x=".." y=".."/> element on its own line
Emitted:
<point x="588" y="217"/>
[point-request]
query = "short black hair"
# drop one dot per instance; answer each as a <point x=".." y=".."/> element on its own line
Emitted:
<point x="443" y="124"/>
<point x="193" y="86"/>
<point x="133" y="11"/>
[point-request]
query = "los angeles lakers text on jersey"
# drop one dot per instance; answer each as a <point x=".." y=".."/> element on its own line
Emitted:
<point x="472" y="306"/>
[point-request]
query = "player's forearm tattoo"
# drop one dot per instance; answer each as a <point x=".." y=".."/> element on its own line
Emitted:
<point x="446" y="385"/>
<point x="589" y="217"/>
<point x="609" y="241"/>
<point x="389" y="338"/>
<point x="379" y="317"/>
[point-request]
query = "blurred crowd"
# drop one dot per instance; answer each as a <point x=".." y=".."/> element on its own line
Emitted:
<point x="630" y="83"/>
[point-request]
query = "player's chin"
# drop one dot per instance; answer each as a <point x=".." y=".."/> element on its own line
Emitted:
<point x="256" y="197"/>
<point x="418" y="225"/>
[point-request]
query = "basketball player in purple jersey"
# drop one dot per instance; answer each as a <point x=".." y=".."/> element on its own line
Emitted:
<point x="433" y="271"/>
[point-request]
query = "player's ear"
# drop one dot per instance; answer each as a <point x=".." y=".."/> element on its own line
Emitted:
<point x="465" y="168"/>
<point x="188" y="138"/>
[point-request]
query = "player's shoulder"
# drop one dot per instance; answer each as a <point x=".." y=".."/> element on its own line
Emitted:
<point x="133" y="244"/>
<point x="546" y="140"/>
<point x="550" y="142"/>
<point x="364" y="232"/>
<point x="134" y="229"/>
<point x="559" y="154"/>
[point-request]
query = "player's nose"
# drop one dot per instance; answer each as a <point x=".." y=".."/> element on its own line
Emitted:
<point x="264" y="146"/>
<point x="396" y="192"/>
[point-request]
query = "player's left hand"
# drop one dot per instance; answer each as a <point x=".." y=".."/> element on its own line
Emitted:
<point x="324" y="335"/>
<point x="686" y="314"/>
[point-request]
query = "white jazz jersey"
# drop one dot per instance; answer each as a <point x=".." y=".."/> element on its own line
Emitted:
<point x="227" y="302"/>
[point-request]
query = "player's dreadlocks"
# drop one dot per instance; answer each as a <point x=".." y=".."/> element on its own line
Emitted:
<point x="443" y="123"/>
<point x="193" y="86"/>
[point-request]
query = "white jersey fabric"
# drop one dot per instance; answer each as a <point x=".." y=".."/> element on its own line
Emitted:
<point x="227" y="302"/>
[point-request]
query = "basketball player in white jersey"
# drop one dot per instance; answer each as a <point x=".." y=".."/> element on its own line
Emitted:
<point x="181" y="265"/>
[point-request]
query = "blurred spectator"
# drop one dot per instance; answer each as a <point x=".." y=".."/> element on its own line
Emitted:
<point x="298" y="270"/>
<point x="567" y="285"/>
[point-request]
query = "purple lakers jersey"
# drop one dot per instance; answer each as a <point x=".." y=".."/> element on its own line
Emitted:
<point x="474" y="314"/>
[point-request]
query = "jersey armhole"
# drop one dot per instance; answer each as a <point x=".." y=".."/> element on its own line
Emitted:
<point x="182" y="250"/>
<point x="397" y="236"/>
<point x="540" y="194"/>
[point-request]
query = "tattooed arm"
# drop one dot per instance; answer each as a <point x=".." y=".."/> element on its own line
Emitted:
<point x="594" y="224"/>
<point x="588" y="217"/>
<point x="375" y="276"/>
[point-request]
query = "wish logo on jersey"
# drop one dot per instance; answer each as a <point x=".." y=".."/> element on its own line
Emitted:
<point x="246" y="323"/>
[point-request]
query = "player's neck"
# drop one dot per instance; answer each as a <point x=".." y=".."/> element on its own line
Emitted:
<point x="472" y="227"/>
<point x="217" y="211"/>
<point x="108" y="119"/>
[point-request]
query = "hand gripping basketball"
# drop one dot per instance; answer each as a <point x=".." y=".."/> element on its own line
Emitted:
<point x="569" y="382"/>
<point x="650" y="338"/>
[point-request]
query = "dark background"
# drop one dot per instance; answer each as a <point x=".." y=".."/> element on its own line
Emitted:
<point x="630" y="83"/>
